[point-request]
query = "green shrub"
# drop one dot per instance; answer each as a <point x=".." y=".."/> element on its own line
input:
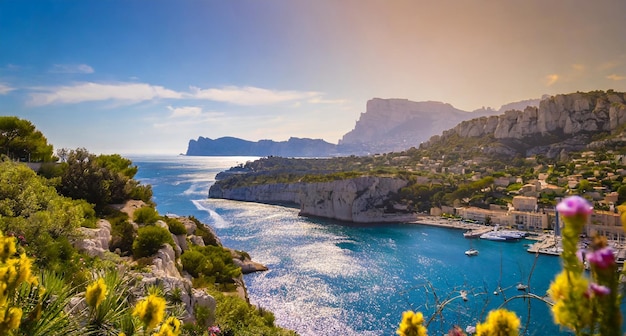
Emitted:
<point x="145" y="215"/>
<point x="236" y="317"/>
<point x="208" y="236"/>
<point x="195" y="263"/>
<point x="210" y="261"/>
<point x="149" y="240"/>
<point x="176" y="226"/>
<point x="141" y="192"/>
<point x="122" y="236"/>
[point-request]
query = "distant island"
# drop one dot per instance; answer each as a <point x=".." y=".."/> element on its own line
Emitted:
<point x="387" y="125"/>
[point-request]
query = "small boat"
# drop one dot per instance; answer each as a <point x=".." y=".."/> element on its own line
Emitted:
<point x="471" y="252"/>
<point x="521" y="287"/>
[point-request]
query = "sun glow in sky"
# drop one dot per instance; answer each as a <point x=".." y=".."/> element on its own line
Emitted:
<point x="147" y="76"/>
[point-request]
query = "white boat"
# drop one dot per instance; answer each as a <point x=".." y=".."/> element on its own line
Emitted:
<point x="471" y="252"/>
<point x="521" y="287"/>
<point x="502" y="235"/>
<point x="492" y="235"/>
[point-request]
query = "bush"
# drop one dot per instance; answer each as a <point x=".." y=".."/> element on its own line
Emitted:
<point x="149" y="241"/>
<point x="208" y="236"/>
<point x="176" y="226"/>
<point x="145" y="215"/>
<point x="210" y="261"/>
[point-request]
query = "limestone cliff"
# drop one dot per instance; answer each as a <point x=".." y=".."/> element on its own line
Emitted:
<point x="360" y="200"/>
<point x="397" y="124"/>
<point x="560" y="122"/>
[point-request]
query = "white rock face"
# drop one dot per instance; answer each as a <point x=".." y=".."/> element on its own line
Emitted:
<point x="96" y="241"/>
<point x="569" y="114"/>
<point x="164" y="262"/>
<point x="354" y="200"/>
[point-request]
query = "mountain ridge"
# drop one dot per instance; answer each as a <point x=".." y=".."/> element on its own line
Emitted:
<point x="388" y="124"/>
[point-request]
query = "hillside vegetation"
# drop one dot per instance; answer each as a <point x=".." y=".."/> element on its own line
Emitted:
<point x="57" y="278"/>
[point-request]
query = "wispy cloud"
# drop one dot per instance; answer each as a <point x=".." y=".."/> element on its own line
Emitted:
<point x="249" y="95"/>
<point x="184" y="111"/>
<point x="72" y="68"/>
<point x="616" y="77"/>
<point x="131" y="92"/>
<point x="551" y="79"/>
<point x="4" y="89"/>
<point x="579" y="67"/>
<point x="86" y="92"/>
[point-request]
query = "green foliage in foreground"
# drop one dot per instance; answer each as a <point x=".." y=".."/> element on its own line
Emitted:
<point x="238" y="318"/>
<point x="100" y="180"/>
<point x="43" y="221"/>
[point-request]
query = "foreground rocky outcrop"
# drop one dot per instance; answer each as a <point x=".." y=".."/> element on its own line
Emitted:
<point x="164" y="267"/>
<point x="364" y="199"/>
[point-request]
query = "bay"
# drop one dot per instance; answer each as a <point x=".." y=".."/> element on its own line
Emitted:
<point x="334" y="278"/>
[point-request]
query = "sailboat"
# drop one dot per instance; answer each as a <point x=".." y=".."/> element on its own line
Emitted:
<point x="472" y="251"/>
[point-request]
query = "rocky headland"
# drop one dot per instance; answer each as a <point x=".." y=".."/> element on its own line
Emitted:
<point x="364" y="199"/>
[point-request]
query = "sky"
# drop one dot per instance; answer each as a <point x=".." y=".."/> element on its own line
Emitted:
<point x="145" y="77"/>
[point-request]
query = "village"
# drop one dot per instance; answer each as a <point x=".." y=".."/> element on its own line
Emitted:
<point x="597" y="177"/>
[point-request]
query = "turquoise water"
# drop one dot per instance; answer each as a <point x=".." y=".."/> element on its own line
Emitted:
<point x="331" y="278"/>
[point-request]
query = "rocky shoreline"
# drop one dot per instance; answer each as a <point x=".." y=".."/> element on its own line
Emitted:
<point x="164" y="268"/>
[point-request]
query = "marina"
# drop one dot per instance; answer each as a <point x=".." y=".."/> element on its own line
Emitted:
<point x="545" y="243"/>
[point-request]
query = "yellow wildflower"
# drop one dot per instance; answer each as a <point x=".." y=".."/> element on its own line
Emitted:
<point x="412" y="324"/>
<point x="500" y="322"/>
<point x="25" y="274"/>
<point x="95" y="293"/>
<point x="171" y="327"/>
<point x="150" y="311"/>
<point x="7" y="247"/>
<point x="10" y="319"/>
<point x="571" y="304"/>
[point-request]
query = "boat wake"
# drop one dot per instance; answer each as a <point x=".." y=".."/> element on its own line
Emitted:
<point x="218" y="221"/>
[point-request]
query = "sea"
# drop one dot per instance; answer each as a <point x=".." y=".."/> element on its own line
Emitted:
<point x="334" y="278"/>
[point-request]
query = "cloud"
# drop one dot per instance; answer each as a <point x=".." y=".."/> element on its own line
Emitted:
<point x="578" y="67"/>
<point x="616" y="77"/>
<point x="551" y="79"/>
<point x="86" y="92"/>
<point x="185" y="111"/>
<point x="72" y="68"/>
<point x="249" y="95"/>
<point x="4" y="89"/>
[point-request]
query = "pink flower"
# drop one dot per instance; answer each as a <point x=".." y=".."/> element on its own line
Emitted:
<point x="456" y="331"/>
<point x="214" y="330"/>
<point x="470" y="329"/>
<point x="599" y="290"/>
<point x="574" y="206"/>
<point x="602" y="258"/>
